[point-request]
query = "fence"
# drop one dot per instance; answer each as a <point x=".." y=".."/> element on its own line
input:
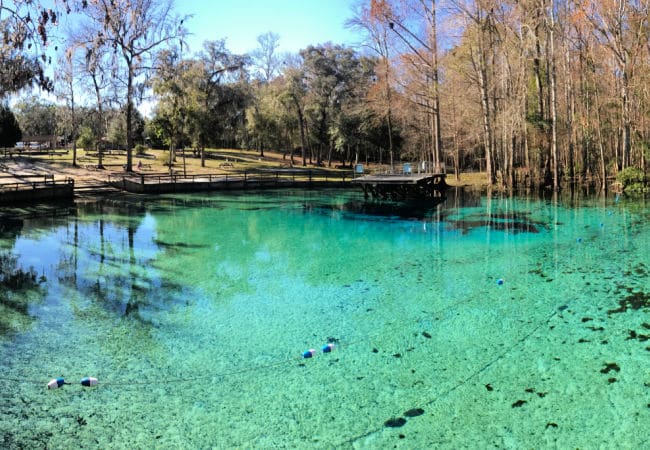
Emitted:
<point x="248" y="179"/>
<point x="26" y="190"/>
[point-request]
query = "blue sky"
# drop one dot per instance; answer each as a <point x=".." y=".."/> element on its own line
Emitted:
<point x="299" y="23"/>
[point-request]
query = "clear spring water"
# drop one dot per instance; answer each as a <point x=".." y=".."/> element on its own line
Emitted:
<point x="503" y="322"/>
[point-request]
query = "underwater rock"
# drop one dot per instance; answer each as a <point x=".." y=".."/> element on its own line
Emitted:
<point x="519" y="403"/>
<point x="489" y="387"/>
<point x="586" y="319"/>
<point x="397" y="355"/>
<point x="426" y="335"/>
<point x="551" y="425"/>
<point x="635" y="301"/>
<point x="611" y="380"/>
<point x="415" y="412"/>
<point x="609" y="367"/>
<point x="634" y="335"/>
<point x="395" y="422"/>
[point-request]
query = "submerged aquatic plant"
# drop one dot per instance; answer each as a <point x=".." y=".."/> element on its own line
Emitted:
<point x="635" y="301"/>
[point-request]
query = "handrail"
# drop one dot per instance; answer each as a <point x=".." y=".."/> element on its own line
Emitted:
<point x="259" y="176"/>
<point x="48" y="182"/>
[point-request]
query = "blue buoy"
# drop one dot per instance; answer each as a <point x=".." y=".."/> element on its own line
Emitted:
<point x="579" y="240"/>
<point x="56" y="383"/>
<point x="309" y="353"/>
<point x="328" y="348"/>
<point x="89" y="381"/>
<point x="500" y="281"/>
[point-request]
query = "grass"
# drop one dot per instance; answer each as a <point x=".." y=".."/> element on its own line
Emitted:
<point x="218" y="161"/>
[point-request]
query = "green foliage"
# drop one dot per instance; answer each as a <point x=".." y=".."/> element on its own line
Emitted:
<point x="117" y="131"/>
<point x="155" y="132"/>
<point x="87" y="138"/>
<point x="36" y="117"/>
<point x="541" y="124"/>
<point x="25" y="28"/>
<point x="163" y="158"/>
<point x="633" y="179"/>
<point x="140" y="149"/>
<point x="18" y="72"/>
<point x="10" y="132"/>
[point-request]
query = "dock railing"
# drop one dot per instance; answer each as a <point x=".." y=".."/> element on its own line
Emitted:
<point x="32" y="182"/>
<point x="247" y="179"/>
<point x="44" y="188"/>
<point x="407" y="168"/>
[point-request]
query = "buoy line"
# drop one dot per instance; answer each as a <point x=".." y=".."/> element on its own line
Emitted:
<point x="327" y="348"/>
<point x="473" y="375"/>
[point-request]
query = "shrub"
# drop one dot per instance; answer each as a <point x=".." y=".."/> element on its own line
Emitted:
<point x="140" y="149"/>
<point x="632" y="179"/>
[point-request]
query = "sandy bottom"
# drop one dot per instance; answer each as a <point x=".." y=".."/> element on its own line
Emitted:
<point x="507" y="323"/>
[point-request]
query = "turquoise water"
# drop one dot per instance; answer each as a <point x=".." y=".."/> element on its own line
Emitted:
<point x="502" y="322"/>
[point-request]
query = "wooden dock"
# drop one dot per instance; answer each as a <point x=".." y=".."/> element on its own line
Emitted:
<point x="409" y="186"/>
<point x="152" y="183"/>
<point x="34" y="188"/>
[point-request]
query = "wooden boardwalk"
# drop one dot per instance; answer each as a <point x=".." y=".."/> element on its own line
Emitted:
<point x="152" y="183"/>
<point x="420" y="186"/>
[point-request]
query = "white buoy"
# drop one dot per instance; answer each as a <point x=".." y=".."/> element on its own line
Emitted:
<point x="89" y="381"/>
<point x="56" y="383"/>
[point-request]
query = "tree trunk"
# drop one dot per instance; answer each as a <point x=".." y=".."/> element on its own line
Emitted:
<point x="303" y="143"/>
<point x="100" y="110"/>
<point x="570" y="106"/>
<point x="538" y="75"/>
<point x="129" y="118"/>
<point x="625" y="118"/>
<point x="601" y="147"/>
<point x="436" y="87"/>
<point x="488" y="140"/>
<point x="74" y="126"/>
<point x="553" y="98"/>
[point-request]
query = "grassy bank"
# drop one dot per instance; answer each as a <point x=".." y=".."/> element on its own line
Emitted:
<point x="217" y="161"/>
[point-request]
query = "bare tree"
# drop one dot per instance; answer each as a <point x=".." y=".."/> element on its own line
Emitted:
<point x="133" y="30"/>
<point x="372" y="21"/>
<point x="67" y="78"/>
<point x="265" y="57"/>
<point x="622" y="27"/>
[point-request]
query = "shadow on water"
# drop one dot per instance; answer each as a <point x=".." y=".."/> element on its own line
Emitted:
<point x="374" y="209"/>
<point x="411" y="210"/>
<point x="436" y="209"/>
<point x="15" y="285"/>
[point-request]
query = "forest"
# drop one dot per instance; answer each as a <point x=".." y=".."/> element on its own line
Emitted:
<point x="530" y="92"/>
